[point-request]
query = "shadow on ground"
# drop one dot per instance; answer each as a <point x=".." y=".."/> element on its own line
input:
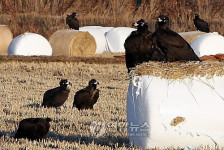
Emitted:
<point x="111" y="141"/>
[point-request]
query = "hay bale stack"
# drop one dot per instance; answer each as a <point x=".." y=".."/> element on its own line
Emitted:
<point x="6" y="37"/>
<point x="72" y="43"/>
<point x="191" y="36"/>
<point x="176" y="105"/>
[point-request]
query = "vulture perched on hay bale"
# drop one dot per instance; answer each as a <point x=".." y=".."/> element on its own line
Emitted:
<point x="57" y="96"/>
<point x="33" y="128"/>
<point x="171" y="43"/>
<point x="140" y="47"/>
<point x="87" y="97"/>
<point x="72" y="21"/>
<point x="200" y="24"/>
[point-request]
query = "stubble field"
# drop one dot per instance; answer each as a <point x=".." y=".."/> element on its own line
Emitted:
<point x="25" y="79"/>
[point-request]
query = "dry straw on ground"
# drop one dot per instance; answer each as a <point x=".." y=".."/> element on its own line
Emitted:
<point x="24" y="82"/>
<point x="25" y="79"/>
<point x="72" y="43"/>
<point x="180" y="70"/>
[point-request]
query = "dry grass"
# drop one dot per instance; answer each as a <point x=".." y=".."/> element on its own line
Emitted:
<point x="23" y="81"/>
<point x="21" y="92"/>
<point x="45" y="17"/>
<point x="180" y="70"/>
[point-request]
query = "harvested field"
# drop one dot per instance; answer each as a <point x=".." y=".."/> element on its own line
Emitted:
<point x="25" y="79"/>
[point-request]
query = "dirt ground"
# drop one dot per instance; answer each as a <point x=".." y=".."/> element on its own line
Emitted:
<point x="24" y="81"/>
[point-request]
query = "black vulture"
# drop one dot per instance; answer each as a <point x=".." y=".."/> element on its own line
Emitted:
<point x="200" y="24"/>
<point x="171" y="43"/>
<point x="57" y="96"/>
<point x="87" y="97"/>
<point x="140" y="47"/>
<point x="72" y="21"/>
<point x="33" y="128"/>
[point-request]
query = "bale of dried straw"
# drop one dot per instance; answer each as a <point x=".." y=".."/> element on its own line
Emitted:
<point x="6" y="37"/>
<point x="191" y="36"/>
<point x="72" y="43"/>
<point x="180" y="70"/>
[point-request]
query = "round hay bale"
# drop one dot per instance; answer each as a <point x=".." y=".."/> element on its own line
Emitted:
<point x="30" y="44"/>
<point x="6" y="37"/>
<point x="208" y="44"/>
<point x="98" y="36"/>
<point x="98" y="32"/>
<point x="176" y="104"/>
<point x="101" y="28"/>
<point x="116" y="38"/>
<point x="72" y="43"/>
<point x="190" y="36"/>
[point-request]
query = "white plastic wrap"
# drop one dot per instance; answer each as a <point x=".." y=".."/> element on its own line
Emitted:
<point x="30" y="44"/>
<point x="208" y="44"/>
<point x="98" y="33"/>
<point x="155" y="105"/>
<point x="116" y="38"/>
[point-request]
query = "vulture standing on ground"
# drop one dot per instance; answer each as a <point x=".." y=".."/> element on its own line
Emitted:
<point x="87" y="97"/>
<point x="72" y="21"/>
<point x="140" y="47"/>
<point x="171" y="43"/>
<point x="200" y="24"/>
<point x="57" y="96"/>
<point x="33" y="128"/>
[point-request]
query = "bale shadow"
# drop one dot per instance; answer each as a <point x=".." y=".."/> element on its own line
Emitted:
<point x="110" y="141"/>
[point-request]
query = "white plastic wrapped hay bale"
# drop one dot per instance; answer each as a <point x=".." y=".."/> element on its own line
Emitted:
<point x="191" y="36"/>
<point x="30" y="44"/>
<point x="116" y="38"/>
<point x="6" y="37"/>
<point x="98" y="33"/>
<point x="208" y="44"/>
<point x="101" y="28"/>
<point x="176" y="105"/>
<point x="72" y="43"/>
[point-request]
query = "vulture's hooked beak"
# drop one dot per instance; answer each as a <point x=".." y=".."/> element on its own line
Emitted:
<point x="96" y="83"/>
<point x="69" y="83"/>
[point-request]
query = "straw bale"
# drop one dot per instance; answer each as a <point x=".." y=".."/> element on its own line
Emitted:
<point x="72" y="43"/>
<point x="180" y="70"/>
<point x="191" y="36"/>
<point x="6" y="37"/>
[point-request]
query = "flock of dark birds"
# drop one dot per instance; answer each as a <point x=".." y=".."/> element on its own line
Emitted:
<point x="37" y="128"/>
<point x="163" y="45"/>
<point x="141" y="46"/>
